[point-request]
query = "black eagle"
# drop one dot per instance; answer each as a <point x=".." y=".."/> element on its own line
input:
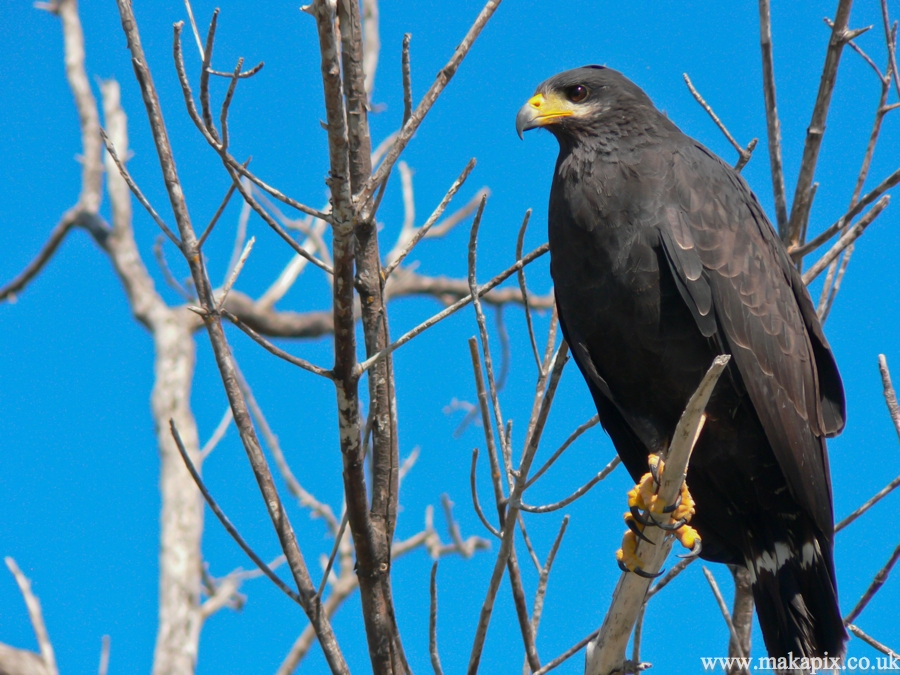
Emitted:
<point x="662" y="259"/>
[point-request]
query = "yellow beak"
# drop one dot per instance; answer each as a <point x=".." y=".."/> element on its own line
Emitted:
<point x="541" y="110"/>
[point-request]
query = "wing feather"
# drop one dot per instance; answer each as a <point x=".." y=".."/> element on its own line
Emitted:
<point x="738" y="281"/>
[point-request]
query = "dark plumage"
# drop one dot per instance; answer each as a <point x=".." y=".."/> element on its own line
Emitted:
<point x="662" y="258"/>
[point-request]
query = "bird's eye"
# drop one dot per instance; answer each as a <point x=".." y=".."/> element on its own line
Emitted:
<point x="577" y="93"/>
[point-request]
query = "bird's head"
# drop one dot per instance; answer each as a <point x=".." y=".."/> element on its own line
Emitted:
<point x="582" y="101"/>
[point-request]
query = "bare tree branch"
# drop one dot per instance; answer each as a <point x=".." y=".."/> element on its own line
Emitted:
<point x="874" y="587"/>
<point x="852" y="235"/>
<point x="606" y="654"/>
<point x="840" y="35"/>
<point x="594" y="421"/>
<point x="410" y="127"/>
<point x="744" y="154"/>
<point x="735" y="639"/>
<point x="36" y="615"/>
<point x="580" y="492"/>
<point x="890" y="396"/>
<point x="432" y="624"/>
<point x="872" y="642"/>
<point x="456" y="306"/>
<point x="741" y="615"/>
<point x="773" y="126"/>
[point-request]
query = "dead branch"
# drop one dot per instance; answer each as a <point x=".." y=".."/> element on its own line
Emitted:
<point x="840" y="35"/>
<point x="532" y="441"/>
<point x="580" y="492"/>
<point x="880" y="577"/>
<point x="455" y="307"/>
<point x="432" y="624"/>
<point x="606" y="654"/>
<point x="347" y="583"/>
<point x="418" y="115"/>
<point x="744" y="154"/>
<point x="36" y="615"/>
<point x="872" y="642"/>
<point x="773" y="126"/>
<point x="852" y="235"/>
<point x="220" y="346"/>
<point x="741" y="615"/>
<point x="594" y="421"/>
<point x="723" y="608"/>
<point x="890" y="397"/>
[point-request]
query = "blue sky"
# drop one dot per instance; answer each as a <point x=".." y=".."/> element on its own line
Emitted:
<point x="79" y="468"/>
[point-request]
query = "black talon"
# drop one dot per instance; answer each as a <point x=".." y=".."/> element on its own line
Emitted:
<point x="695" y="551"/>
<point x="638" y="516"/>
<point x="634" y="528"/>
<point x="671" y="527"/>
<point x="647" y="575"/>
<point x="654" y="471"/>
<point x="623" y="567"/>
<point x="671" y="507"/>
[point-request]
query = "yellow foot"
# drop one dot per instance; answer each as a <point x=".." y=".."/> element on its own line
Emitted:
<point x="628" y="559"/>
<point x="643" y="497"/>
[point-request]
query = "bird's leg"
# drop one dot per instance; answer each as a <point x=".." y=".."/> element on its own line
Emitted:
<point x="643" y="497"/>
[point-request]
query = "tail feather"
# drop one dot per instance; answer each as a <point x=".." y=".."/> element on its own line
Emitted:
<point x="796" y="597"/>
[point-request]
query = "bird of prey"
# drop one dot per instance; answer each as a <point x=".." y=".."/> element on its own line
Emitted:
<point x="662" y="259"/>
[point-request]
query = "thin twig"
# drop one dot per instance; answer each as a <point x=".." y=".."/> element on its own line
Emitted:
<point x="580" y="492"/>
<point x="890" y="396"/>
<point x="520" y="241"/>
<point x="432" y="623"/>
<point x="338" y="537"/>
<point x="234" y="274"/>
<point x="675" y="570"/>
<point x="218" y="434"/>
<point x="724" y="609"/>
<point x="815" y="132"/>
<point x="226" y="523"/>
<point x="103" y="668"/>
<point x="190" y="13"/>
<point x="137" y="191"/>
<point x="872" y="642"/>
<point x="773" y="126"/>
<point x="272" y="349"/>
<point x="396" y="259"/>
<point x="36" y="615"/>
<point x="206" y="60"/>
<point x="881" y="494"/>
<point x="874" y="587"/>
<point x="798" y="252"/>
<point x="62" y="228"/>
<point x="407" y="79"/>
<point x="544" y="577"/>
<point x="528" y="545"/>
<point x="472" y="482"/>
<point x="409" y="129"/>
<point x="317" y="508"/>
<point x="261" y="212"/>
<point x="452" y="309"/>
<point x="594" y="421"/>
<point x="744" y="153"/>
<point x="890" y="37"/>
<point x="851" y="236"/>
<point x="506" y="451"/>
<point x="458" y="216"/>
<point x="569" y="653"/>
<point x="531" y="444"/>
<point x="217" y="214"/>
<point x="160" y="255"/>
